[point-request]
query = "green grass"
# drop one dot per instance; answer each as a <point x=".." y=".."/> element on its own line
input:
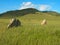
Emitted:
<point x="31" y="32"/>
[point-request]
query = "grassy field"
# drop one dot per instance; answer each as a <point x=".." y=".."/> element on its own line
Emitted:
<point x="31" y="32"/>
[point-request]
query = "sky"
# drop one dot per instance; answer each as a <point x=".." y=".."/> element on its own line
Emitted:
<point x="42" y="5"/>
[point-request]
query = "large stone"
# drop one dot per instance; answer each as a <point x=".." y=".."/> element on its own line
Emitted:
<point x="14" y="22"/>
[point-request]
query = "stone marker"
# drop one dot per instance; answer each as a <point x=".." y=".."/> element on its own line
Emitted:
<point x="44" y="22"/>
<point x="14" y="22"/>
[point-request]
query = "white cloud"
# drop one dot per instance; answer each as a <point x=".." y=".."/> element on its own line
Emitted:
<point x="44" y="7"/>
<point x="41" y="7"/>
<point x="25" y="5"/>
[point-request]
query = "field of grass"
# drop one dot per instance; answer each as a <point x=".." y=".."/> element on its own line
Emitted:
<point x="31" y="32"/>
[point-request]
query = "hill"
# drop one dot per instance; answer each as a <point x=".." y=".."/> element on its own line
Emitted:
<point x="52" y="13"/>
<point x="17" y="13"/>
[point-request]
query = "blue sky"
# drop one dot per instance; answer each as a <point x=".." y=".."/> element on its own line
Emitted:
<point x="42" y="5"/>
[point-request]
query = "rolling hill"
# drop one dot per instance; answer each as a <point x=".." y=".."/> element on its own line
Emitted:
<point x="17" y="13"/>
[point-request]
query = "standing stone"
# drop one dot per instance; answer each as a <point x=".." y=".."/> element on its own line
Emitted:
<point x="14" y="22"/>
<point x="44" y="22"/>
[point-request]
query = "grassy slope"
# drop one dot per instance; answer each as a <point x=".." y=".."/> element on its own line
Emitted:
<point x="31" y="32"/>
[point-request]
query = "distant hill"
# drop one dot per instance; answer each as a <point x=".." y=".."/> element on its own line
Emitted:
<point x="23" y="12"/>
<point x="17" y="13"/>
<point x="52" y="13"/>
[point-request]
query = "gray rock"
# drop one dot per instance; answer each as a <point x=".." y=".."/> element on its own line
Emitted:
<point x="14" y="22"/>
